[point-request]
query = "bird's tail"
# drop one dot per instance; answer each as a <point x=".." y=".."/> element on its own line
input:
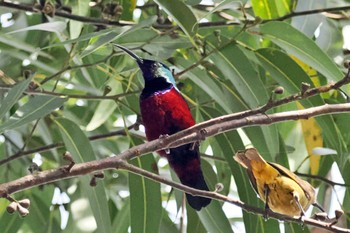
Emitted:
<point x="197" y="202"/>
<point x="186" y="164"/>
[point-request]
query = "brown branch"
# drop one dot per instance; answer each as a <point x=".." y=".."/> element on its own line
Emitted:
<point x="274" y="103"/>
<point x="100" y="21"/>
<point x="37" y="9"/>
<point x="20" y="154"/>
<point x="308" y="12"/>
<point x="73" y="96"/>
<point x="184" y="137"/>
<point x="61" y="173"/>
<point x="315" y="177"/>
<point x="214" y="195"/>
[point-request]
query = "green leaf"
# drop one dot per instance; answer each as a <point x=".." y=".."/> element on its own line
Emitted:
<point x="37" y="107"/>
<point x="80" y="148"/>
<point x="145" y="198"/>
<point x="182" y="15"/>
<point x="121" y="222"/>
<point x="299" y="45"/>
<point x="16" y="43"/>
<point x="271" y="9"/>
<point x="57" y="26"/>
<point x="237" y="68"/>
<point x="79" y="7"/>
<point x="214" y="219"/>
<point x="10" y="223"/>
<point x="290" y="75"/>
<point x="212" y="88"/>
<point x="13" y="95"/>
<point x="104" y="39"/>
<point x="106" y="107"/>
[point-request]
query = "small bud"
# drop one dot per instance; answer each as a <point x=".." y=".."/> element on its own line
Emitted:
<point x="257" y="20"/>
<point x="12" y="207"/>
<point x="33" y="168"/>
<point x="22" y="211"/>
<point x="93" y="182"/>
<point x="338" y="213"/>
<point x="68" y="157"/>
<point x="321" y="216"/>
<point x="217" y="33"/>
<point x="278" y="90"/>
<point x="347" y="64"/>
<point x="99" y="175"/>
<point x="27" y="74"/>
<point x="24" y="203"/>
<point x="304" y="87"/>
<point x="219" y="187"/>
<point x="106" y="90"/>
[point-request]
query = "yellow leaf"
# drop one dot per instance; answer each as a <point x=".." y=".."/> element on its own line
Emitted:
<point x="313" y="138"/>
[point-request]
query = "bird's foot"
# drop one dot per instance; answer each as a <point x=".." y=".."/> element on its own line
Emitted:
<point x="162" y="137"/>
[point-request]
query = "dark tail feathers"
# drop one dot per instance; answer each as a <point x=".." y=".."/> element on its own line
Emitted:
<point x="186" y="163"/>
<point x="197" y="202"/>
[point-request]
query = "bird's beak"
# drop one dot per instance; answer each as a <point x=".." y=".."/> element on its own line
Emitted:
<point x="133" y="55"/>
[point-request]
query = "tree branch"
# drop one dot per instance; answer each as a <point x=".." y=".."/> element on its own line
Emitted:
<point x="100" y="21"/>
<point x="183" y="137"/>
<point x="308" y="12"/>
<point x="115" y="162"/>
<point x="60" y="144"/>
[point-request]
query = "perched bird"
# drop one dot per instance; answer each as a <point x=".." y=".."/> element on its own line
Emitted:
<point x="282" y="191"/>
<point x="164" y="112"/>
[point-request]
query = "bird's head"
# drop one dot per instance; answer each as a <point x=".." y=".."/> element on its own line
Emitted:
<point x="151" y="70"/>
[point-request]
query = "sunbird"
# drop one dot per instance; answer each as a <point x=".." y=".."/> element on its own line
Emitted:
<point x="164" y="112"/>
<point x="280" y="189"/>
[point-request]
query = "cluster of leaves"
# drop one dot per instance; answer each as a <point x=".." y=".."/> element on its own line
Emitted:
<point x="226" y="60"/>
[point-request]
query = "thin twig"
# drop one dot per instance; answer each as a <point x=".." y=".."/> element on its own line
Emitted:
<point x="115" y="162"/>
<point x="321" y="178"/>
<point x="308" y="12"/>
<point x="41" y="149"/>
<point x="175" y="140"/>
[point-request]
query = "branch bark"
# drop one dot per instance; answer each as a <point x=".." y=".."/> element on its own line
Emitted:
<point x="193" y="134"/>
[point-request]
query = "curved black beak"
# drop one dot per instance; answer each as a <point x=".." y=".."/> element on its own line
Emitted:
<point x="131" y="54"/>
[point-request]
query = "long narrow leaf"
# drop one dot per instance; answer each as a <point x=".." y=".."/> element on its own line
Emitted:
<point x="37" y="107"/>
<point x="13" y="96"/>
<point x="182" y="15"/>
<point x="80" y="148"/>
<point x="145" y="199"/>
<point x="285" y="71"/>
<point x="299" y="45"/>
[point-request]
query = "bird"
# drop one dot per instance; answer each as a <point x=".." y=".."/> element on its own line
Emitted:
<point x="164" y="111"/>
<point x="280" y="189"/>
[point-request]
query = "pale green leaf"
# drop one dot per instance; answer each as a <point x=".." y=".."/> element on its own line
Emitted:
<point x="290" y="75"/>
<point x="145" y="198"/>
<point x="37" y="107"/>
<point x="237" y="68"/>
<point x="16" y="43"/>
<point x="214" y="219"/>
<point x="299" y="45"/>
<point x="13" y="95"/>
<point x="106" y="107"/>
<point x="181" y="14"/>
<point x="116" y="35"/>
<point x="78" y="145"/>
<point x="79" y="7"/>
<point x="56" y="26"/>
<point x="271" y="9"/>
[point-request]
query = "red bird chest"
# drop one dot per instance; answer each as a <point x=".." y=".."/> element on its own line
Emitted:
<point x="164" y="113"/>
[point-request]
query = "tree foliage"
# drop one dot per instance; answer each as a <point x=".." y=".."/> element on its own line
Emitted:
<point x="65" y="87"/>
